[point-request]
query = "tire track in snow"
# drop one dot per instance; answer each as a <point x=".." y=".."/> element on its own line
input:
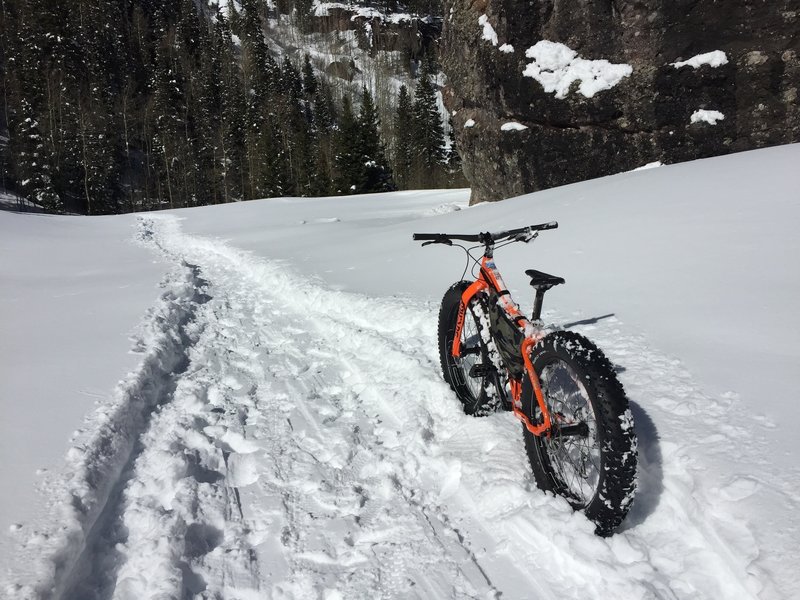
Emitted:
<point x="344" y="323"/>
<point x="406" y="545"/>
<point x="174" y="483"/>
<point x="78" y="555"/>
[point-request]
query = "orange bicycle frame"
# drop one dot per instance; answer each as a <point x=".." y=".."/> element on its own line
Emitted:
<point x="489" y="278"/>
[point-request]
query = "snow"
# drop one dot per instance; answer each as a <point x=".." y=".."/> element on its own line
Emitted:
<point x="513" y="126"/>
<point x="488" y="33"/>
<point x="469" y="123"/>
<point x="322" y="9"/>
<point x="296" y="438"/>
<point x="68" y="307"/>
<point x="717" y="58"/>
<point x="706" y="116"/>
<point x="383" y="73"/>
<point x="14" y="202"/>
<point x="651" y="165"/>
<point x="556" y="67"/>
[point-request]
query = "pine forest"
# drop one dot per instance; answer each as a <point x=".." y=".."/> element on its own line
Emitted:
<point x="113" y="106"/>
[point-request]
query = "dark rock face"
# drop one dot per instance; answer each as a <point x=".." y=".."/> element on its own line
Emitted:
<point x="646" y="116"/>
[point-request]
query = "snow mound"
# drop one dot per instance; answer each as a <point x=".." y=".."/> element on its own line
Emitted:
<point x="443" y="209"/>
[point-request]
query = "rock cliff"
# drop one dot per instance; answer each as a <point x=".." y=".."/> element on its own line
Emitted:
<point x="587" y="89"/>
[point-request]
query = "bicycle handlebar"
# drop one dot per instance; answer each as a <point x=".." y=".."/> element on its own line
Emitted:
<point x="486" y="237"/>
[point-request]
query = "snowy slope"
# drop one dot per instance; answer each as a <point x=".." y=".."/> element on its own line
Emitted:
<point x="298" y="442"/>
<point x="71" y="292"/>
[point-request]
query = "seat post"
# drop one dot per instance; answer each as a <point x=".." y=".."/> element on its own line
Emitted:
<point x="537" y="304"/>
<point x="541" y="282"/>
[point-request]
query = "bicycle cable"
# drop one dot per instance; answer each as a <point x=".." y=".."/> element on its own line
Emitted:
<point x="469" y="258"/>
<point x="475" y="261"/>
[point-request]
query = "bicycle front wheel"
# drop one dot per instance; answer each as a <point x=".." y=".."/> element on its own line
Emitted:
<point x="473" y="376"/>
<point x="590" y="457"/>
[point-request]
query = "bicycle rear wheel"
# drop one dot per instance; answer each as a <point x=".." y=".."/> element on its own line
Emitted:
<point x="590" y="458"/>
<point x="473" y="376"/>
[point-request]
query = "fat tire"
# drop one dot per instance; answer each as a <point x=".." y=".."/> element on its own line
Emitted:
<point x="484" y="403"/>
<point x="615" y="435"/>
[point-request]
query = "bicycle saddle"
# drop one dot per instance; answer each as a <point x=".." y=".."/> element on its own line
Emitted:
<point x="543" y="280"/>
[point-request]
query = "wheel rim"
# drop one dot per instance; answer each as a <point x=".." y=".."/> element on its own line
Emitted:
<point x="576" y="460"/>
<point x="470" y="354"/>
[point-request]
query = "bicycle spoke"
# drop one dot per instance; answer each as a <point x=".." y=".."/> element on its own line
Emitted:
<point x="574" y="457"/>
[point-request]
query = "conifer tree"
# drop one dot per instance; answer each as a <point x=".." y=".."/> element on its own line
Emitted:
<point x="33" y="168"/>
<point x="347" y="160"/>
<point x="376" y="176"/>
<point x="428" y="141"/>
<point x="309" y="79"/>
<point x="169" y="101"/>
<point x="403" y="139"/>
<point x="323" y="119"/>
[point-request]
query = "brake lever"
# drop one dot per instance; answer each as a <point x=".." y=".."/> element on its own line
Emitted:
<point x="446" y="242"/>
<point x="527" y="237"/>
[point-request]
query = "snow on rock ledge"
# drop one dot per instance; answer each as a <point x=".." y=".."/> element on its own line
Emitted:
<point x="556" y="67"/>
<point x="707" y="116"/>
<point x="513" y="126"/>
<point x="651" y="165"/>
<point x="489" y="34"/>
<point x="717" y="58"/>
<point x="322" y="9"/>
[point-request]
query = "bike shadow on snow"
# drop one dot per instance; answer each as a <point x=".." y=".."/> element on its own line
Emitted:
<point x="650" y="472"/>
<point x="590" y="321"/>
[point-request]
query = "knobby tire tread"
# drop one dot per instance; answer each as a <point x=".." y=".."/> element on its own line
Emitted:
<point x="615" y="491"/>
<point x="448" y="317"/>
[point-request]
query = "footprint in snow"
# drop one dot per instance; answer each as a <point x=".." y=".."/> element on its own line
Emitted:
<point x="739" y="489"/>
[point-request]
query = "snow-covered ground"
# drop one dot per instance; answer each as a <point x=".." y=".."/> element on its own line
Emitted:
<point x="284" y="432"/>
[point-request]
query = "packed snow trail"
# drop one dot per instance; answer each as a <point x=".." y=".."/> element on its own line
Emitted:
<point x="300" y="443"/>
